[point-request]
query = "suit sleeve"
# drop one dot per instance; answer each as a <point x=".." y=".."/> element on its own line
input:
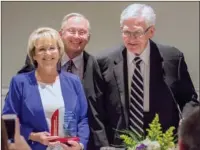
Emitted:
<point x="97" y="114"/>
<point x="83" y="127"/>
<point x="186" y="94"/>
<point x="13" y="104"/>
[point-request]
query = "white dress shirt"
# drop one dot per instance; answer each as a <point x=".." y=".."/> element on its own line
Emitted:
<point x="52" y="99"/>
<point x="145" y="70"/>
<point x="78" y="62"/>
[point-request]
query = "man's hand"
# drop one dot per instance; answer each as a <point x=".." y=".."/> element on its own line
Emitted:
<point x="73" y="146"/>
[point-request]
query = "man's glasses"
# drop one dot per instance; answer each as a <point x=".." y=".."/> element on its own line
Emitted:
<point x="74" y="32"/>
<point x="136" y="34"/>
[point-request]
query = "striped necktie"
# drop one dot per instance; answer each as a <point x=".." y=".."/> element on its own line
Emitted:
<point x="70" y="65"/>
<point x="136" y="100"/>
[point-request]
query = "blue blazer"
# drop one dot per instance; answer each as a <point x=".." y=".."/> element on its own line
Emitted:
<point x="24" y="100"/>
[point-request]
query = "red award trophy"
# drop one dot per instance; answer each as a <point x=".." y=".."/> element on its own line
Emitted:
<point x="63" y="124"/>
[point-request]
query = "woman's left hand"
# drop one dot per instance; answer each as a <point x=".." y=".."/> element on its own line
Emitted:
<point x="73" y="146"/>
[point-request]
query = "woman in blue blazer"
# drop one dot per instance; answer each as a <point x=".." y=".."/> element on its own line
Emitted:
<point x="35" y="95"/>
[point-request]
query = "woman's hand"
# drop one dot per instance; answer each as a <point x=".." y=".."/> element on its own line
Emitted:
<point x="43" y="138"/>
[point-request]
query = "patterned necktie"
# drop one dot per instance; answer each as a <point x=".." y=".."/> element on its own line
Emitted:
<point x="136" y="100"/>
<point x="70" y="65"/>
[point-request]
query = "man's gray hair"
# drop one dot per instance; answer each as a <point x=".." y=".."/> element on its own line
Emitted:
<point x="68" y="16"/>
<point x="189" y="130"/>
<point x="139" y="10"/>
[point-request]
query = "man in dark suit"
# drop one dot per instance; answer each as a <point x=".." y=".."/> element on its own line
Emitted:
<point x="141" y="78"/>
<point x="75" y="33"/>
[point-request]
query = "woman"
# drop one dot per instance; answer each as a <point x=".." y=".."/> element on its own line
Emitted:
<point x="35" y="95"/>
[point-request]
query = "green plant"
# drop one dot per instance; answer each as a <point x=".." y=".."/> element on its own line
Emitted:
<point x="130" y="138"/>
<point x="155" y="130"/>
<point x="154" y="133"/>
<point x="166" y="140"/>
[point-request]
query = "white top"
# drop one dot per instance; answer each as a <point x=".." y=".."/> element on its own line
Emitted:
<point x="52" y="99"/>
<point x="78" y="62"/>
<point x="145" y="70"/>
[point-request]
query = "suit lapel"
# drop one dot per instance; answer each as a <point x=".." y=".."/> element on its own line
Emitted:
<point x="121" y="76"/>
<point x="156" y="75"/>
<point x="85" y="60"/>
<point x="34" y="101"/>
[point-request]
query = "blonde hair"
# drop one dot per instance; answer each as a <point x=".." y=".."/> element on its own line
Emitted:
<point x="40" y="33"/>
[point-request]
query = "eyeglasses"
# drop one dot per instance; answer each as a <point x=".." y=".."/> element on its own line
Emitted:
<point x="73" y="31"/>
<point x="136" y="34"/>
<point x="44" y="50"/>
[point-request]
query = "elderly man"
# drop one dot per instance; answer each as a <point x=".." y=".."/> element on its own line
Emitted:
<point x="142" y="78"/>
<point x="189" y="131"/>
<point x="75" y="33"/>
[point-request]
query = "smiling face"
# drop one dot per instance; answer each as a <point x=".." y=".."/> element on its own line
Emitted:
<point x="46" y="53"/>
<point x="75" y="34"/>
<point x="135" y="34"/>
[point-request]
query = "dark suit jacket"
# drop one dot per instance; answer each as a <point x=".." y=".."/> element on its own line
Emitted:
<point x="25" y="101"/>
<point x="91" y="81"/>
<point x="169" y="83"/>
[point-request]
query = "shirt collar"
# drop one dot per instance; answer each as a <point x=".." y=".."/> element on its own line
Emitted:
<point x="78" y="60"/>
<point x="144" y="55"/>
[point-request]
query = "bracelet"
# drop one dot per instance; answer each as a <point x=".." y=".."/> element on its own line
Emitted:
<point x="32" y="134"/>
<point x="82" y="146"/>
<point x="11" y="140"/>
